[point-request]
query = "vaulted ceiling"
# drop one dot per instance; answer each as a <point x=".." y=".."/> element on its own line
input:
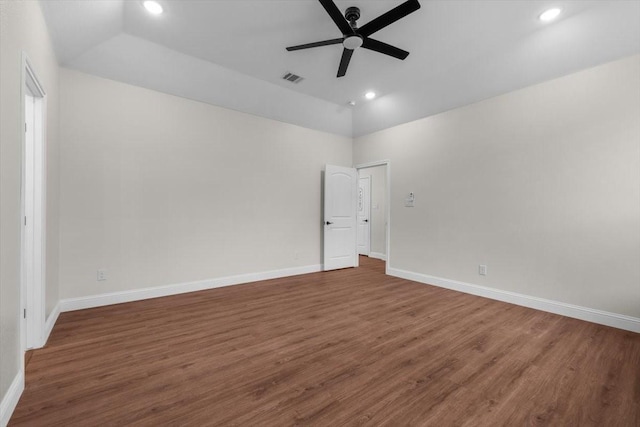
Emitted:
<point x="232" y="53"/>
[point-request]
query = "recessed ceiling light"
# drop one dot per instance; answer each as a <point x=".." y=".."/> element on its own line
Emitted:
<point x="550" y="15"/>
<point x="153" y="7"/>
<point x="370" y="95"/>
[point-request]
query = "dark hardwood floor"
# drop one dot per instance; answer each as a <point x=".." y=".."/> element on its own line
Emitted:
<point x="348" y="347"/>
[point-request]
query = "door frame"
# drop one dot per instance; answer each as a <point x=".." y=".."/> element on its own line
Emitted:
<point x="368" y="247"/>
<point x="32" y="295"/>
<point x="386" y="163"/>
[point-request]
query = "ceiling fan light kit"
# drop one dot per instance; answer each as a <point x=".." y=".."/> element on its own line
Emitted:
<point x="354" y="37"/>
<point x="352" y="42"/>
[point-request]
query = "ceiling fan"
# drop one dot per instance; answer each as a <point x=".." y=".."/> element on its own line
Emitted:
<point x="354" y="37"/>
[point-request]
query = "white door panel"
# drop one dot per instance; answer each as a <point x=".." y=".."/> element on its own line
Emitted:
<point x="340" y="198"/>
<point x="364" y="214"/>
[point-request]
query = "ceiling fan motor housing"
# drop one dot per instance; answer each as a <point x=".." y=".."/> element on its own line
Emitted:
<point x="352" y="14"/>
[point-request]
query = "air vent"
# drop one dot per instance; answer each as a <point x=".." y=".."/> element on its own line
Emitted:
<point x="292" y="78"/>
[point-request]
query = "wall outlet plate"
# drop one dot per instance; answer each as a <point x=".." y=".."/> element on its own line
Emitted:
<point x="102" y="275"/>
<point x="482" y="270"/>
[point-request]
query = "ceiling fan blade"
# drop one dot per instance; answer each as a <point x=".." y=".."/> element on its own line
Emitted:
<point x="387" y="49"/>
<point x="316" y="44"/>
<point x="344" y="62"/>
<point x="337" y="16"/>
<point x="389" y="18"/>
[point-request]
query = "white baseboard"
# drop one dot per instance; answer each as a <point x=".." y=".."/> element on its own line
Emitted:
<point x="619" y="321"/>
<point x="11" y="398"/>
<point x="81" y="303"/>
<point x="377" y="255"/>
<point x="51" y="321"/>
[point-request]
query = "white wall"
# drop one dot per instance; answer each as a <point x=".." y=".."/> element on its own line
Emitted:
<point x="541" y="184"/>
<point x="139" y="62"/>
<point x="378" y="217"/>
<point x="162" y="190"/>
<point x="462" y="69"/>
<point x="22" y="28"/>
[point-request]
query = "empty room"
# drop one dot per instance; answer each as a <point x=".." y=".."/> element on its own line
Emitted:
<point x="319" y="213"/>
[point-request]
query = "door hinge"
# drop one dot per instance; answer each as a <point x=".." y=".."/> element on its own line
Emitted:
<point x="25" y="221"/>
<point x="25" y="128"/>
<point x="25" y="313"/>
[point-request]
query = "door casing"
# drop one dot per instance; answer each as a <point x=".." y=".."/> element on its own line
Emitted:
<point x="33" y="209"/>
<point x="364" y="215"/>
<point x="386" y="163"/>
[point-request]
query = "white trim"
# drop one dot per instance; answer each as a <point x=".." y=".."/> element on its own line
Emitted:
<point x="372" y="164"/>
<point x="81" y="303"/>
<point x="10" y="400"/>
<point x="34" y="83"/>
<point x="368" y="246"/>
<point x="51" y="322"/>
<point x="619" y="321"/>
<point x="32" y="298"/>
<point x="386" y="163"/>
<point x="377" y="255"/>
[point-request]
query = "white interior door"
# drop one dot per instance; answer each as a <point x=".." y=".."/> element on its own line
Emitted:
<point x="364" y="215"/>
<point x="33" y="209"/>
<point x="340" y="198"/>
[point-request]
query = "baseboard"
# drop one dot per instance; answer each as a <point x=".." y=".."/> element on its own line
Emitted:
<point x="81" y="303"/>
<point x="619" y="321"/>
<point x="51" y="321"/>
<point x="377" y="255"/>
<point x="11" y="398"/>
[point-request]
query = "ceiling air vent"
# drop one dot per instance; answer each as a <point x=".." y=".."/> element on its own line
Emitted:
<point x="292" y="78"/>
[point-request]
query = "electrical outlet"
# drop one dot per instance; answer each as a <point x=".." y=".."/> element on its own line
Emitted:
<point x="102" y="274"/>
<point x="482" y="270"/>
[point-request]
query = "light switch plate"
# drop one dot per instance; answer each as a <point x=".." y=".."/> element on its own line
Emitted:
<point x="409" y="202"/>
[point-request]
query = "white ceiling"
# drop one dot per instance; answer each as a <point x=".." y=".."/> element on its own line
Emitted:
<point x="232" y="53"/>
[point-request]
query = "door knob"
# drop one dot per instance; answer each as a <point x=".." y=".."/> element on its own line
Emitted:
<point x="328" y="223"/>
<point x="365" y="220"/>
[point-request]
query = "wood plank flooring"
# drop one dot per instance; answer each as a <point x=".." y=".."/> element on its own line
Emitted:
<point x="349" y="347"/>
